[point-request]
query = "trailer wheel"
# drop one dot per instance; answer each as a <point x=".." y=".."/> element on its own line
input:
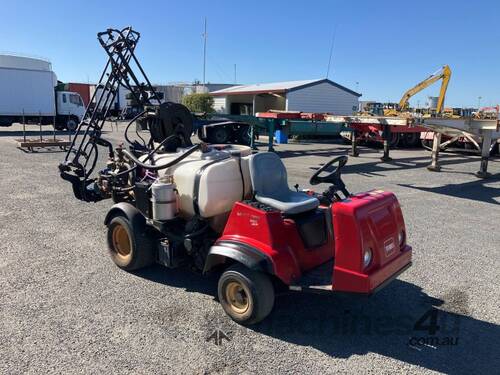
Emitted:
<point x="411" y="139"/>
<point x="394" y="140"/>
<point x="129" y="247"/>
<point x="218" y="134"/>
<point x="243" y="136"/>
<point x="495" y="148"/>
<point x="247" y="296"/>
<point x="427" y="144"/>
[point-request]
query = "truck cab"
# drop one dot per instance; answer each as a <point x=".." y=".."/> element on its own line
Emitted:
<point x="70" y="109"/>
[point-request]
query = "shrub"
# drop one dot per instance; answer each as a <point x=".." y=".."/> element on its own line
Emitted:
<point x="199" y="102"/>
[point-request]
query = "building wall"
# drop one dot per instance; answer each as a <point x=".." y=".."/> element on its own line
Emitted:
<point x="171" y="93"/>
<point x="320" y="98"/>
<point x="264" y="103"/>
<point x="220" y="104"/>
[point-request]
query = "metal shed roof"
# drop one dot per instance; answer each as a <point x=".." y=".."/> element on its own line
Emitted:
<point x="276" y="87"/>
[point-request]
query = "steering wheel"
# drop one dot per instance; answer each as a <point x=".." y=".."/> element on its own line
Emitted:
<point x="334" y="178"/>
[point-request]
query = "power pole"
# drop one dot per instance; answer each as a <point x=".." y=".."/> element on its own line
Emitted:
<point x="234" y="73"/>
<point x="204" y="51"/>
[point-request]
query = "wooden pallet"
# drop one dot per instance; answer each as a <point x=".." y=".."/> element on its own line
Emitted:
<point x="30" y="144"/>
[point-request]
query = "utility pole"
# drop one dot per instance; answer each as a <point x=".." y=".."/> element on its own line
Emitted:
<point x="479" y="102"/>
<point x="234" y="73"/>
<point x="204" y="51"/>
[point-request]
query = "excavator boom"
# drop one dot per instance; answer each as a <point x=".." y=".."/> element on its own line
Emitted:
<point x="444" y="73"/>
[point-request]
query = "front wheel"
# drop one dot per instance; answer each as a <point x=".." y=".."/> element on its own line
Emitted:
<point x="247" y="296"/>
<point x="130" y="247"/>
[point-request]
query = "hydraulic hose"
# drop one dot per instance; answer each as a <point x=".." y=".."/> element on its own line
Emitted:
<point x="128" y="126"/>
<point x="163" y="166"/>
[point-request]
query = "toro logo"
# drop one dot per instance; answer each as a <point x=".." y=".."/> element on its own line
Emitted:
<point x="389" y="246"/>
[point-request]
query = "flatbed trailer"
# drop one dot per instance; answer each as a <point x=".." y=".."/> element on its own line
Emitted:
<point x="378" y="128"/>
<point x="487" y="130"/>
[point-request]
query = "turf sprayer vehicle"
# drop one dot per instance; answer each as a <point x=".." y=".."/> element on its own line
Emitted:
<point x="27" y="93"/>
<point x="220" y="208"/>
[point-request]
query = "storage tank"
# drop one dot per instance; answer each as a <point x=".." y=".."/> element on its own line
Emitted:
<point x="210" y="183"/>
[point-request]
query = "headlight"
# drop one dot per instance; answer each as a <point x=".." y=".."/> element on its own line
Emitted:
<point x="401" y="238"/>
<point x="367" y="257"/>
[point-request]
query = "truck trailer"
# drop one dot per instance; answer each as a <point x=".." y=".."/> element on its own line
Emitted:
<point x="28" y="93"/>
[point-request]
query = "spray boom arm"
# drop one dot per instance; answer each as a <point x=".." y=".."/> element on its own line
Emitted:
<point x="168" y="123"/>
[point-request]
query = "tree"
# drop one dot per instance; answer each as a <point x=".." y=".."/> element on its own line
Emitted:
<point x="199" y="102"/>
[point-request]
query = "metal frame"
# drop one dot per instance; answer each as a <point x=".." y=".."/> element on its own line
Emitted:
<point x="82" y="155"/>
<point x="487" y="129"/>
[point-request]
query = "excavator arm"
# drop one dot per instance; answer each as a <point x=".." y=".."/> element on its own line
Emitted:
<point x="444" y="73"/>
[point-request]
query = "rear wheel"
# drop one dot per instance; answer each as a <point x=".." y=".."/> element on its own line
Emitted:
<point x="130" y="247"/>
<point x="71" y="124"/>
<point x="247" y="296"/>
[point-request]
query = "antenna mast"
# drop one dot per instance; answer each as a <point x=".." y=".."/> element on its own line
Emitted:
<point x="204" y="51"/>
<point x="331" y="51"/>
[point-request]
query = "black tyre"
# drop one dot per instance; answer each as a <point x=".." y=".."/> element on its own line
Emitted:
<point x="71" y="124"/>
<point x="346" y="141"/>
<point x="218" y="134"/>
<point x="495" y="148"/>
<point x="427" y="144"/>
<point x="130" y="247"/>
<point x="7" y="121"/>
<point x="246" y="296"/>
<point x="243" y="135"/>
<point x="411" y="139"/>
<point x="394" y="140"/>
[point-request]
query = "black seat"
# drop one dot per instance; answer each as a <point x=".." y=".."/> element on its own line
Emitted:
<point x="270" y="185"/>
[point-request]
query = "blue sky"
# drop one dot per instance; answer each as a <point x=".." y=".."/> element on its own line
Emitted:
<point x="386" y="46"/>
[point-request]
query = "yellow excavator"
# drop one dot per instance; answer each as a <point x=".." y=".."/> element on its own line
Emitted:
<point x="444" y="73"/>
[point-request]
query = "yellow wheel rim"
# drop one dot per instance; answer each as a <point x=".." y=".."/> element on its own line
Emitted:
<point x="237" y="296"/>
<point x="121" y="241"/>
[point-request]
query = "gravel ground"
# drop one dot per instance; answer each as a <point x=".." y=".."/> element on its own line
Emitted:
<point x="66" y="308"/>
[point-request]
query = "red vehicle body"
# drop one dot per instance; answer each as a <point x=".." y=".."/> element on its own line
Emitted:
<point x="259" y="239"/>
<point x="367" y="220"/>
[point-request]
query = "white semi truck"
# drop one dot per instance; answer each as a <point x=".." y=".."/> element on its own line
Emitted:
<point x="27" y="92"/>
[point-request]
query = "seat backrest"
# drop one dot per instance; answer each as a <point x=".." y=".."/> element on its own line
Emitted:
<point x="268" y="174"/>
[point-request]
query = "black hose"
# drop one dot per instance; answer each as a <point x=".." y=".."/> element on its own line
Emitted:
<point x="128" y="126"/>
<point x="148" y="156"/>
<point x="164" y="166"/>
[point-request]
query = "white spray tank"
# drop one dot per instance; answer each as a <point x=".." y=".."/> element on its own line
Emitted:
<point x="164" y="198"/>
